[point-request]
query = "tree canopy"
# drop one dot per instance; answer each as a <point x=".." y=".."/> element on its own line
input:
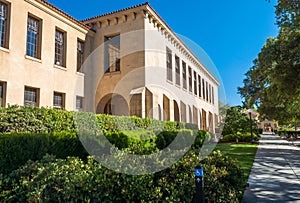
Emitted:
<point x="273" y="82"/>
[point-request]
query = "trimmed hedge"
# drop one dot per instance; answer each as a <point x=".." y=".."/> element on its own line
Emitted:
<point x="289" y="133"/>
<point x="35" y="120"/>
<point x="245" y="137"/>
<point x="17" y="148"/>
<point x="46" y="120"/>
<point x="73" y="180"/>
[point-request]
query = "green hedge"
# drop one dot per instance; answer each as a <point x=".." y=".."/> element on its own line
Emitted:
<point x="244" y="137"/>
<point x="289" y="133"/>
<point x="35" y="120"/>
<point x="46" y="120"/>
<point x="17" y="148"/>
<point x="73" y="180"/>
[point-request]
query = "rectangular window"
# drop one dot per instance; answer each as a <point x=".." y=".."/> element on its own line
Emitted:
<point x="213" y="95"/>
<point x="203" y="88"/>
<point x="80" y="52"/>
<point x="210" y="94"/>
<point x="190" y="80"/>
<point x="169" y="64"/>
<point x="59" y="100"/>
<point x="195" y="83"/>
<point x="60" y="48"/>
<point x="199" y="86"/>
<point x="184" y="74"/>
<point x="2" y="93"/>
<point x="207" y="91"/>
<point x="112" y="61"/>
<point x="31" y="97"/>
<point x="79" y="103"/>
<point x="4" y="24"/>
<point x="177" y="70"/>
<point x="33" y="46"/>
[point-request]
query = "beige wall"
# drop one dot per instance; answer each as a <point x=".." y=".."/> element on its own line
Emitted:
<point x="156" y="42"/>
<point x="132" y="58"/>
<point x="19" y="70"/>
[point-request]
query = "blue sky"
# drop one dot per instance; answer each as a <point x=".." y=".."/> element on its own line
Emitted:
<point x="232" y="32"/>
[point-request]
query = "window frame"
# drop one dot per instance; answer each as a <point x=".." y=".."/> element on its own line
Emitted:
<point x="190" y="75"/>
<point x="38" y="45"/>
<point x="3" y="93"/>
<point x="169" y="64"/>
<point x="31" y="103"/>
<point x="63" y="47"/>
<point x="195" y="83"/>
<point x="6" y="38"/>
<point x="184" y="81"/>
<point x="63" y="100"/>
<point x="110" y="66"/>
<point x="79" y="108"/>
<point x="80" y="55"/>
<point x="177" y="70"/>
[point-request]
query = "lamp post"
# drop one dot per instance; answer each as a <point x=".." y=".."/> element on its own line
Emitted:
<point x="251" y="113"/>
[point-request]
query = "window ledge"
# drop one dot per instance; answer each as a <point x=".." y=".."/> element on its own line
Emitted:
<point x="60" y="67"/>
<point x="33" y="59"/>
<point x="80" y="73"/>
<point x="113" y="73"/>
<point x="4" y="49"/>
<point x="169" y="81"/>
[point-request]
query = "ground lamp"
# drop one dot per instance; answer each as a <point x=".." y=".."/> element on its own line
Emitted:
<point x="252" y="114"/>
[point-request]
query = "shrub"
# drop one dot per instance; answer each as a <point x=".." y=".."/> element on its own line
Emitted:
<point x="242" y="137"/>
<point x="36" y="120"/>
<point x="73" y="180"/>
<point x="17" y="148"/>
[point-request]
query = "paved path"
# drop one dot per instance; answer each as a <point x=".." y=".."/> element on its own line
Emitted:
<point x="275" y="174"/>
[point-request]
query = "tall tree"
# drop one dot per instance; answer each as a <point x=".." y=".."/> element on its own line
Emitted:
<point x="273" y="83"/>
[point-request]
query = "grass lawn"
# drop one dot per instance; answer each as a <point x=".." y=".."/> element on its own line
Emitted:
<point x="243" y="153"/>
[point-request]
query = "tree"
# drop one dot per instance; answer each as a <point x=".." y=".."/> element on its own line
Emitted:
<point x="236" y="121"/>
<point x="273" y="83"/>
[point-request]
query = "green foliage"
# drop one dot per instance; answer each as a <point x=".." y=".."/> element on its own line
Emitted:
<point x="73" y="180"/>
<point x="287" y="133"/>
<point x="236" y="121"/>
<point x="223" y="179"/>
<point x="36" y="120"/>
<point x="17" y="148"/>
<point x="240" y="137"/>
<point x="273" y="83"/>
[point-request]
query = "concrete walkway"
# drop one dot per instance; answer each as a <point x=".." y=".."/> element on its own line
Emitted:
<point x="275" y="174"/>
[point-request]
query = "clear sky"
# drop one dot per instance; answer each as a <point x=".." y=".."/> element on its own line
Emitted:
<point x="231" y="32"/>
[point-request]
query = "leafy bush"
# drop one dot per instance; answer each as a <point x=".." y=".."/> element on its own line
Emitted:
<point x="73" y="180"/>
<point x="240" y="137"/>
<point x="289" y="133"/>
<point x="17" y="148"/>
<point x="36" y="120"/>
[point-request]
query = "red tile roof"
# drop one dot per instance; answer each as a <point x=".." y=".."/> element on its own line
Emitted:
<point x="59" y="11"/>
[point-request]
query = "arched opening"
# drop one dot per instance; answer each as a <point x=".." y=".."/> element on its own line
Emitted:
<point x="195" y="115"/>
<point x="159" y="112"/>
<point x="166" y="106"/>
<point x="176" y="112"/>
<point x="113" y="104"/>
<point x="190" y="115"/>
<point x="204" y="125"/>
<point x="183" y="112"/>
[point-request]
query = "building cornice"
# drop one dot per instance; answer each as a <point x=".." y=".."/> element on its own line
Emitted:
<point x="59" y="12"/>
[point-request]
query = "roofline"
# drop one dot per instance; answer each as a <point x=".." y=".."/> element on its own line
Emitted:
<point x="185" y="46"/>
<point x="113" y="12"/>
<point x="60" y="12"/>
<point x="148" y="7"/>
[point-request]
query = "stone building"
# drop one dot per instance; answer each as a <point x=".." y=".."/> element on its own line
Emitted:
<point x="127" y="62"/>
